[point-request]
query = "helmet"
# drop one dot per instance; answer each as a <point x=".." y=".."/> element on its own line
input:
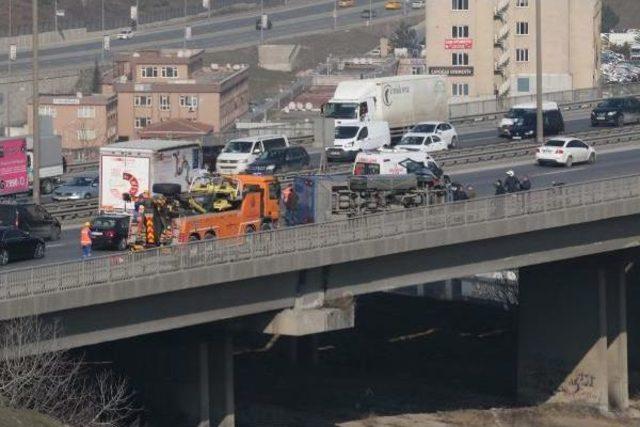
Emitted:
<point x="510" y="173"/>
<point x="87" y="224"/>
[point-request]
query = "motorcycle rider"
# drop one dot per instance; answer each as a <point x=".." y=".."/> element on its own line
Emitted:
<point x="499" y="188"/>
<point x="525" y="184"/>
<point x="511" y="182"/>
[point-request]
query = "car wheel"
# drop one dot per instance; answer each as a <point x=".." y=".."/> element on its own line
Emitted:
<point x="454" y="142"/>
<point x="620" y="120"/>
<point x="122" y="244"/>
<point x="250" y="229"/>
<point x="592" y="158"/>
<point x="569" y="162"/>
<point x="87" y="196"/>
<point x="266" y="226"/>
<point x="38" y="253"/>
<point x="4" y="257"/>
<point x="194" y="238"/>
<point x="210" y="235"/>
<point x="47" y="187"/>
<point x="55" y="233"/>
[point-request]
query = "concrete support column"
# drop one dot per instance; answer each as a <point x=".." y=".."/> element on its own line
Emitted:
<point x="562" y="335"/>
<point x="617" y="354"/>
<point x="216" y="382"/>
<point x="572" y="340"/>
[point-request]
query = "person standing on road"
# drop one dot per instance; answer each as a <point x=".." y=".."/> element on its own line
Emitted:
<point x="85" y="240"/>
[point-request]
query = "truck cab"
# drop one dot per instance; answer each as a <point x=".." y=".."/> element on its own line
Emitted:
<point x="239" y="153"/>
<point x="349" y="110"/>
<point x="353" y="137"/>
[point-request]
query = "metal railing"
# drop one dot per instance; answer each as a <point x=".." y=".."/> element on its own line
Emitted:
<point x="298" y="241"/>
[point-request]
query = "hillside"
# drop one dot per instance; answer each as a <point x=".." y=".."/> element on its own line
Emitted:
<point x="627" y="10"/>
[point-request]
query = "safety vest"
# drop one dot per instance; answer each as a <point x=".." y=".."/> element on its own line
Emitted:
<point x="85" y="238"/>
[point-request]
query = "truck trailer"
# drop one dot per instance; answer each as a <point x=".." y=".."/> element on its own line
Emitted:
<point x="133" y="167"/>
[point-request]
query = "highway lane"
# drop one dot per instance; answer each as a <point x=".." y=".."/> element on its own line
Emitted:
<point x="611" y="163"/>
<point x="213" y="34"/>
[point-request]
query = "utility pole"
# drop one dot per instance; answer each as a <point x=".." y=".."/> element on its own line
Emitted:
<point x="55" y="15"/>
<point x="539" y="115"/>
<point x="7" y="97"/>
<point x="262" y="21"/>
<point x="370" y="13"/>
<point x="102" y="28"/>
<point x="184" y="42"/>
<point x="36" y="105"/>
<point x="335" y="15"/>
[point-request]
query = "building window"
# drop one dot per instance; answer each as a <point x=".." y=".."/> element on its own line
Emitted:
<point x="523" y="84"/>
<point x="417" y="70"/>
<point x="86" y="112"/>
<point x="47" y="110"/>
<point x="522" y="55"/>
<point x="141" y="122"/>
<point x="460" y="4"/>
<point x="149" y="72"/>
<point x="522" y="28"/>
<point x="169" y="72"/>
<point x="460" y="89"/>
<point x="459" y="58"/>
<point x="164" y="103"/>
<point x="460" y="31"/>
<point x="522" y="3"/>
<point x="86" y="134"/>
<point x="189" y="101"/>
<point x="142" y="101"/>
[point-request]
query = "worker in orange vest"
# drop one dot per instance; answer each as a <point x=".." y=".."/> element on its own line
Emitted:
<point x="85" y="240"/>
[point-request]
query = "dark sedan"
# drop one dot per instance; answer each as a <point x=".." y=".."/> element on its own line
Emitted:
<point x="616" y="111"/>
<point x="110" y="232"/>
<point x="15" y="245"/>
<point x="279" y="160"/>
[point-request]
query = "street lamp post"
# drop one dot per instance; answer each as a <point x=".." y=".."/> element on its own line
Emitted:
<point x="36" y="105"/>
<point x="370" y="13"/>
<point x="184" y="11"/>
<point x="7" y="98"/>
<point x="261" y="21"/>
<point x="335" y="15"/>
<point x="55" y="15"/>
<point x="539" y="115"/>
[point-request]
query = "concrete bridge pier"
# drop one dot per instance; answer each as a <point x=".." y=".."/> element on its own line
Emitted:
<point x="572" y="333"/>
<point x="216" y="380"/>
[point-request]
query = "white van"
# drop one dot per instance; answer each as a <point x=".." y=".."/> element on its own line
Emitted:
<point x="352" y="137"/>
<point x="518" y="111"/>
<point x="388" y="162"/>
<point x="239" y="153"/>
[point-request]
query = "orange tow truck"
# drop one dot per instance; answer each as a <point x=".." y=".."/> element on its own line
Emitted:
<point x="225" y="207"/>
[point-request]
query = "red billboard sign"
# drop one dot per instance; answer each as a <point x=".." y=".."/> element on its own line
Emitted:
<point x="13" y="166"/>
<point x="458" y="43"/>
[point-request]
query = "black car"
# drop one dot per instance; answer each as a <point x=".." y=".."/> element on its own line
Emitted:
<point x="278" y="160"/>
<point x="15" y="244"/>
<point x="110" y="231"/>
<point x="31" y="218"/>
<point x="368" y="14"/>
<point x="616" y="111"/>
<point x="526" y="125"/>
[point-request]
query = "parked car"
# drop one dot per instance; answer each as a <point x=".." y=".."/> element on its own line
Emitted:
<point x="424" y="142"/>
<point x="110" y="231"/>
<point x="31" y="218"/>
<point x="417" y="4"/>
<point x="516" y="112"/>
<point x="393" y="5"/>
<point x="368" y="14"/>
<point x="240" y="153"/>
<point x="526" y="125"/>
<point x="15" y="244"/>
<point x="125" y="34"/>
<point x="565" y="151"/>
<point x="263" y="23"/>
<point x="80" y="187"/>
<point x="616" y="111"/>
<point x="280" y="160"/>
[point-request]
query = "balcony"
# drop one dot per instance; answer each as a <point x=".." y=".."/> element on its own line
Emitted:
<point x="504" y="89"/>
<point x="502" y="63"/>
<point x="501" y="10"/>
<point x="501" y="37"/>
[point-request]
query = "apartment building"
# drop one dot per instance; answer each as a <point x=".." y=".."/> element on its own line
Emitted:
<point x="83" y="122"/>
<point x="154" y="86"/>
<point x="487" y="48"/>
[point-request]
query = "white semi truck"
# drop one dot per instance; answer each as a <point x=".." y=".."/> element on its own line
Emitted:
<point x="132" y="167"/>
<point x="401" y="101"/>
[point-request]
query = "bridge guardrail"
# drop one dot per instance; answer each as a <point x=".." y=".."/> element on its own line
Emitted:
<point x="55" y="278"/>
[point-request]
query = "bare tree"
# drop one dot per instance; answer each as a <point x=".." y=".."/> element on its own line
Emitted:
<point x="35" y="376"/>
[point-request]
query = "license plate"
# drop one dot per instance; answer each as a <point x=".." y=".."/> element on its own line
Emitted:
<point x="96" y="233"/>
<point x="601" y="117"/>
<point x="335" y="151"/>
<point x="547" y="150"/>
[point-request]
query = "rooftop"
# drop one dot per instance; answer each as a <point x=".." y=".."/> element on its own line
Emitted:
<point x="176" y="129"/>
<point x="147" y="145"/>
<point x="161" y="56"/>
<point x="76" y="99"/>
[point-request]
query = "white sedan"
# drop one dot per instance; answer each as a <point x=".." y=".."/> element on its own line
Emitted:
<point x="125" y="34"/>
<point x="565" y="151"/>
<point x="422" y="142"/>
<point x="443" y="130"/>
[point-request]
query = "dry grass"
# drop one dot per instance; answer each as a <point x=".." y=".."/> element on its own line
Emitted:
<point x="13" y="418"/>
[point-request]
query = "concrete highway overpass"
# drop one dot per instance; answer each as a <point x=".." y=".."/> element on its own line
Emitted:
<point x="571" y="244"/>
